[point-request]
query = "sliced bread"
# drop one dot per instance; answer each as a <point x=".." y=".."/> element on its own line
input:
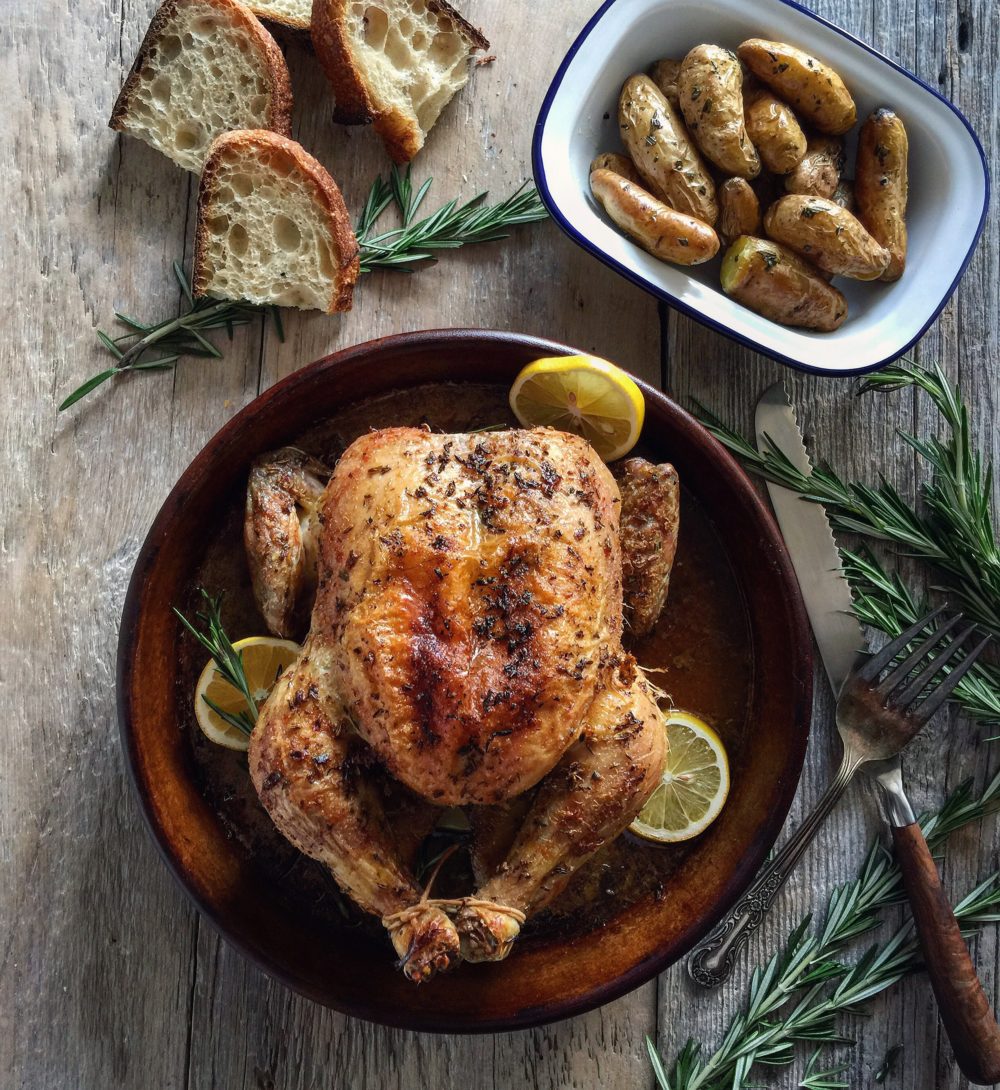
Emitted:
<point x="204" y="67"/>
<point x="293" y="13"/>
<point x="272" y="226"/>
<point x="395" y="63"/>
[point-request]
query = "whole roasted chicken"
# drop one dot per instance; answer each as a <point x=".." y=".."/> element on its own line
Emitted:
<point x="466" y="638"/>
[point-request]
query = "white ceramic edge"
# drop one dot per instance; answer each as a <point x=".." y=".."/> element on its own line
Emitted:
<point x="949" y="185"/>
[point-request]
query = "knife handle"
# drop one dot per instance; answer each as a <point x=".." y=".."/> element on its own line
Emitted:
<point x="962" y="1003"/>
<point x="712" y="961"/>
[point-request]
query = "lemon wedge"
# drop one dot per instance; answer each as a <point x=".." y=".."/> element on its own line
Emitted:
<point x="264" y="660"/>
<point x="584" y="395"/>
<point x="694" y="786"/>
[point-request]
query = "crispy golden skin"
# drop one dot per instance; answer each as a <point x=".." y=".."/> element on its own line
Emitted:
<point x="827" y="235"/>
<point x="777" y="283"/>
<point x="664" y="154"/>
<point x="617" y="164"/>
<point x="818" y="171"/>
<point x="659" y="230"/>
<point x="650" y="521"/>
<point x="813" y="88"/>
<point x="774" y="130"/>
<point x="466" y="637"/>
<point x="882" y="185"/>
<point x="665" y="74"/>
<point x="710" y="87"/>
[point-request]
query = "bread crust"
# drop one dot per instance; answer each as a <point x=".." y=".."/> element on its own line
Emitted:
<point x="355" y="105"/>
<point x="279" y="114"/>
<point x="326" y="193"/>
<point x="278" y="17"/>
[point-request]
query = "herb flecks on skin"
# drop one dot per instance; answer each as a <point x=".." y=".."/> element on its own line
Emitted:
<point x="798" y="995"/>
<point x="228" y="661"/>
<point x="449" y="228"/>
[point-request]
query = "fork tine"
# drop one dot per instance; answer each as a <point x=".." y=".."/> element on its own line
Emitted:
<point x="899" y="673"/>
<point x="905" y="698"/>
<point x="943" y="691"/>
<point x="874" y="666"/>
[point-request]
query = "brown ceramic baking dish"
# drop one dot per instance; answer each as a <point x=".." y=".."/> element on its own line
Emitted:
<point x="734" y="647"/>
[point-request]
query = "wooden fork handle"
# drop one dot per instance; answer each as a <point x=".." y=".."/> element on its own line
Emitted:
<point x="962" y="1003"/>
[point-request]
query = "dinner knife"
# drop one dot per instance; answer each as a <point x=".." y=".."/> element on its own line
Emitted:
<point x="827" y="597"/>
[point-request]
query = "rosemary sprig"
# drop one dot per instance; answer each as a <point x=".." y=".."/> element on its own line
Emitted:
<point x="799" y="993"/>
<point x="228" y="661"/>
<point x="403" y="247"/>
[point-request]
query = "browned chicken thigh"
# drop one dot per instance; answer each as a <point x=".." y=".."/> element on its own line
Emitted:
<point x="466" y="637"/>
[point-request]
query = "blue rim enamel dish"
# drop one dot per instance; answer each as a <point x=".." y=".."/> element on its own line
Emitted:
<point x="949" y="180"/>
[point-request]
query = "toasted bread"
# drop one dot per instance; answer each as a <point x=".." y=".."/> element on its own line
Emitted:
<point x="272" y="226"/>
<point x="293" y="13"/>
<point x="204" y="67"/>
<point x="395" y="63"/>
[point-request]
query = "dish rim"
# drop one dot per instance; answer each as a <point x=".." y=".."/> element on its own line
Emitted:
<point x="644" y="968"/>
<point x="666" y="296"/>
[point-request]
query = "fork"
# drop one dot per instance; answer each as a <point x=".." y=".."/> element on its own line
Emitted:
<point x="876" y="719"/>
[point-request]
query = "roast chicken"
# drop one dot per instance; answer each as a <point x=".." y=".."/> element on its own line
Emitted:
<point x="467" y="617"/>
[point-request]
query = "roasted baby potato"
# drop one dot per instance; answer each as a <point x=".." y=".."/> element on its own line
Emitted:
<point x="776" y="283"/>
<point x="661" y="231"/>
<point x="815" y="91"/>
<point x="664" y="74"/>
<point x="663" y="153"/>
<point x="818" y="171"/>
<point x="775" y="132"/>
<point x="710" y="85"/>
<point x="827" y="235"/>
<point x="620" y="164"/>
<point x="739" y="209"/>
<point x="882" y="185"/>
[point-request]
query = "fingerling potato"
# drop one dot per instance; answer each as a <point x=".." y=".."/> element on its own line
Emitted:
<point x="774" y="130"/>
<point x="661" y="231"/>
<point x="818" y="171"/>
<point x="827" y="235"/>
<point x="775" y="282"/>
<point x="664" y="74"/>
<point x="739" y="209"/>
<point x="663" y="153"/>
<point x="710" y="85"/>
<point x="814" y="89"/>
<point x="620" y="164"/>
<point x="882" y="185"/>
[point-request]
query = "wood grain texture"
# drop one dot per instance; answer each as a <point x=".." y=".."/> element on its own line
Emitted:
<point x="107" y="976"/>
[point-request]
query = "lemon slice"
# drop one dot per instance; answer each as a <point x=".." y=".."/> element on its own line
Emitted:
<point x="582" y="394"/>
<point x="264" y="660"/>
<point x="694" y="786"/>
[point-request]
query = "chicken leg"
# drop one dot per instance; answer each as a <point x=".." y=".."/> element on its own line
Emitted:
<point x="588" y="799"/>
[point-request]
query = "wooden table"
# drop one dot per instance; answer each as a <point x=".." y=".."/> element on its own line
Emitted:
<point x="109" y="977"/>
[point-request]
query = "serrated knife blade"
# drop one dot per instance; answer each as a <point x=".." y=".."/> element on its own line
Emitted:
<point x="810" y="544"/>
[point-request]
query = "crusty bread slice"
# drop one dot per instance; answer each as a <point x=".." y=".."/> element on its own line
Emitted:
<point x="272" y="226"/>
<point x="293" y="13"/>
<point x="396" y="63"/>
<point x="204" y="67"/>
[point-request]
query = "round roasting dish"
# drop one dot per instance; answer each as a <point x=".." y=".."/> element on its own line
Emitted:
<point x="557" y="971"/>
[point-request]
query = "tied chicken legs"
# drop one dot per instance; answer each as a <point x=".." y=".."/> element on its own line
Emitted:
<point x="466" y="636"/>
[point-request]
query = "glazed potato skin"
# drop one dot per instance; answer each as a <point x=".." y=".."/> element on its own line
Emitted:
<point x="710" y="85"/>
<point x="739" y="210"/>
<point x="664" y="74"/>
<point x="818" y="171"/>
<point x="661" y="231"/>
<point x="845" y="197"/>
<point x="774" y="130"/>
<point x="815" y="91"/>
<point x="663" y="153"/>
<point x="827" y="235"/>
<point x="775" y="282"/>
<point x="882" y="185"/>
<point x="620" y="164"/>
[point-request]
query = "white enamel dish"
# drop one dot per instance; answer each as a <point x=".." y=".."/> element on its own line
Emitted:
<point x="949" y="182"/>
